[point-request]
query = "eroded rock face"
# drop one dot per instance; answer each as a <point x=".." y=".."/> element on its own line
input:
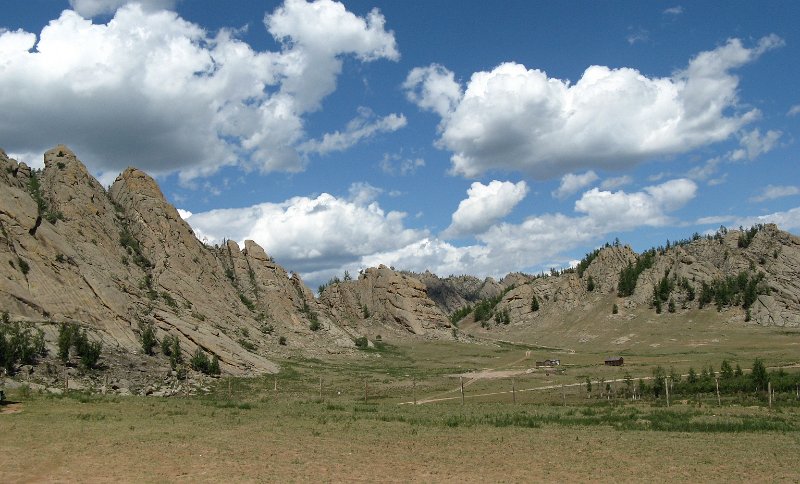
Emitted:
<point x="773" y="253"/>
<point x="111" y="261"/>
<point x="453" y="292"/>
<point x="386" y="296"/>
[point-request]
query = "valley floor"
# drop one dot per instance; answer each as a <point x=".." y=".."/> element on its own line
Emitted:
<point x="84" y="438"/>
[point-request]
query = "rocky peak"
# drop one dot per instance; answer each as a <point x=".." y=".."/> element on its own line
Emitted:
<point x="382" y="295"/>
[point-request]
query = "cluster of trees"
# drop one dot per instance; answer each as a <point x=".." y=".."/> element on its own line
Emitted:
<point x="663" y="289"/>
<point x="586" y="261"/>
<point x="485" y="309"/>
<point x="19" y="344"/>
<point x="743" y="289"/>
<point x="731" y="380"/>
<point x="460" y="314"/>
<point x="201" y="363"/>
<point x="44" y="209"/>
<point x="630" y="274"/>
<point x="746" y="236"/>
<point x="333" y="281"/>
<point x="170" y="345"/>
<point x="71" y="339"/>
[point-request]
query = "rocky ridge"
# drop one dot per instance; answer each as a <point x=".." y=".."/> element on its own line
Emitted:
<point x="116" y="262"/>
<point x="763" y="256"/>
<point x="382" y="299"/>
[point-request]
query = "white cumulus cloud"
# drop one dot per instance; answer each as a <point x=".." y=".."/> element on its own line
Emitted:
<point x="312" y="234"/>
<point x="771" y="192"/>
<point x="517" y="119"/>
<point x="433" y="88"/>
<point x="616" y="182"/>
<point x="571" y="183"/>
<point x="149" y="84"/>
<point x="754" y="144"/>
<point x="484" y="206"/>
<point x="92" y="8"/>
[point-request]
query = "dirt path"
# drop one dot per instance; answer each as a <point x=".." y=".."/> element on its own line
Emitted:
<point x="8" y="408"/>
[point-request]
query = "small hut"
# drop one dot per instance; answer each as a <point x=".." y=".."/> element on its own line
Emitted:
<point x="615" y="361"/>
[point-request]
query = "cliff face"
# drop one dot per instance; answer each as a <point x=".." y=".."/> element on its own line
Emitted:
<point x="386" y="298"/>
<point x="114" y="261"/>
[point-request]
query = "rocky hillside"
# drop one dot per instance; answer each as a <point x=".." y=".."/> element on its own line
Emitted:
<point x="381" y="300"/>
<point x="120" y="262"/>
<point x="122" y="265"/>
<point x="454" y="292"/>
<point x="752" y="275"/>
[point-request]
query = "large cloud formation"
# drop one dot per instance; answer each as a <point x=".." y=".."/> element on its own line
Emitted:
<point x="325" y="235"/>
<point x="312" y="234"/>
<point x="152" y="85"/>
<point x="517" y="119"/>
<point x="484" y="206"/>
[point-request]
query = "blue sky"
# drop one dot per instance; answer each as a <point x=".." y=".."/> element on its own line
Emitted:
<point x="455" y="136"/>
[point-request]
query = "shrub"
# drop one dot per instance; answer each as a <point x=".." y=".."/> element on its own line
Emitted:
<point x="148" y="337"/>
<point x="213" y="368"/>
<point x="66" y="335"/>
<point x="590" y="284"/>
<point x="361" y="342"/>
<point x="247" y="302"/>
<point x="71" y="336"/>
<point x="247" y="345"/>
<point x="200" y="361"/>
<point x="23" y="266"/>
<point x="534" y="304"/>
<point x="169" y="299"/>
<point x="759" y="375"/>
<point x="315" y="324"/>
<point x="614" y="309"/>
<point x="19" y="344"/>
<point x="282" y="341"/>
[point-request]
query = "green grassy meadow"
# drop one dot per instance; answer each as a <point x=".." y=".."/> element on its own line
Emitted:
<point x="362" y="426"/>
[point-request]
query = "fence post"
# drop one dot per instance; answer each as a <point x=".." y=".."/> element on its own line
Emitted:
<point x="513" y="391"/>
<point x="769" y="393"/>
<point x="462" y="390"/>
<point x="414" y="389"/>
<point x="275" y="383"/>
<point x="66" y="381"/>
<point x="564" y="394"/>
<point x="666" y="386"/>
<point x="719" y="401"/>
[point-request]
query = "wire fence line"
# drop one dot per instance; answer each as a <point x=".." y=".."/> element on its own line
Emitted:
<point x="519" y="388"/>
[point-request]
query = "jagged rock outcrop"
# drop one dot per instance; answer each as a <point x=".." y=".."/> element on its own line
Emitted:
<point x="454" y="292"/>
<point x="115" y="261"/>
<point x="385" y="297"/>
<point x="771" y="252"/>
<point x="771" y="257"/>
